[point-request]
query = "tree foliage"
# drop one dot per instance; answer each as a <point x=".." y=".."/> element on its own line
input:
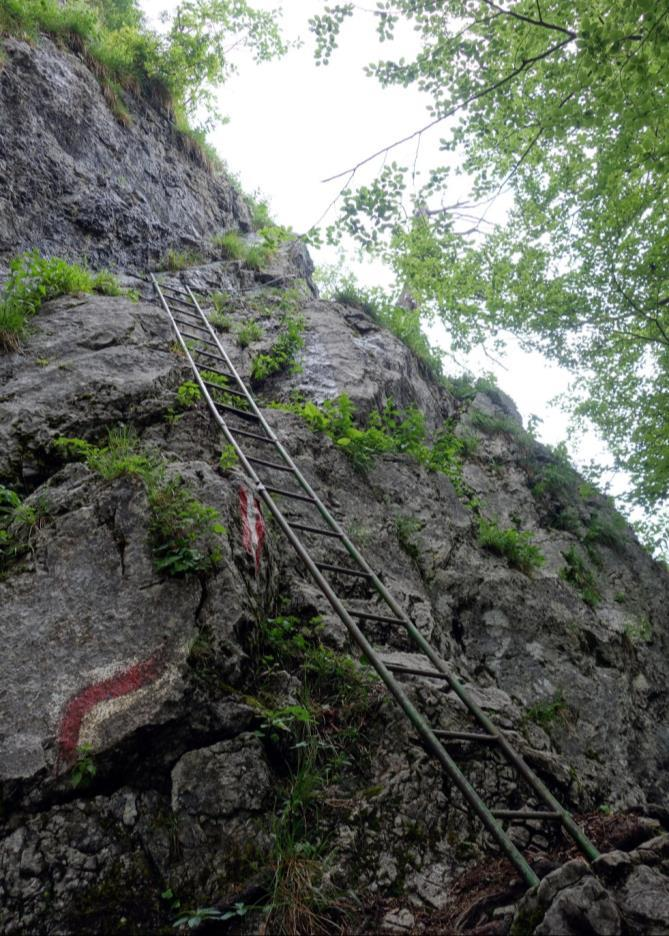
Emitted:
<point x="563" y="104"/>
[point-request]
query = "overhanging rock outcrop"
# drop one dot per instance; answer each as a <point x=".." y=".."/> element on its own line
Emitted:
<point x="78" y="183"/>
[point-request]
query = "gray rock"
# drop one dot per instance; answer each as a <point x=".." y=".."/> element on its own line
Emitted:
<point x="222" y="780"/>
<point x="87" y="187"/>
<point x="398" y="921"/>
<point x="582" y="907"/>
<point x="644" y="901"/>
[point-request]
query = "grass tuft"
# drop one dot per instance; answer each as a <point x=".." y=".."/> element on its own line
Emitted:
<point x="515" y="546"/>
<point x="34" y="280"/>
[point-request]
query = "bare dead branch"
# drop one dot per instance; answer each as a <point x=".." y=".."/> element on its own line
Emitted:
<point x="528" y="19"/>
<point x="524" y="65"/>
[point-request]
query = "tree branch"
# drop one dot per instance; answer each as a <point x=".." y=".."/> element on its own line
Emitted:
<point x="524" y="65"/>
<point x="528" y="19"/>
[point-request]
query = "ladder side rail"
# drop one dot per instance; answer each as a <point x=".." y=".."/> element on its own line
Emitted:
<point x="414" y="716"/>
<point x="577" y="834"/>
<point x="509" y="752"/>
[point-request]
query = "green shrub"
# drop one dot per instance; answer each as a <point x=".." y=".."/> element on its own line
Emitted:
<point x="248" y="333"/>
<point x="504" y="425"/>
<point x="516" y="546"/>
<point x="282" y="355"/>
<point x="387" y="430"/>
<point x="555" y="479"/>
<point x="34" y="280"/>
<point x="579" y="574"/>
<point x="260" y="216"/>
<point x="465" y="387"/>
<point x="258" y="256"/>
<point x="606" y="529"/>
<point x="183" y="532"/>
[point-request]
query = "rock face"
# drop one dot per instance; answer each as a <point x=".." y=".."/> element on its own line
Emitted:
<point x="78" y="183"/>
<point x="209" y="737"/>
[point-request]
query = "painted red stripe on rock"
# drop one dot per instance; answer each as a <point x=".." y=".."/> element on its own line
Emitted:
<point x="79" y="706"/>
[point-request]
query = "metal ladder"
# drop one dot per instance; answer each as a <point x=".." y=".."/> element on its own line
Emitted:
<point x="205" y="353"/>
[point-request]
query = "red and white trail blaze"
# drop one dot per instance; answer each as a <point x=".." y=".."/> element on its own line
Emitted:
<point x="253" y="526"/>
<point x="123" y="683"/>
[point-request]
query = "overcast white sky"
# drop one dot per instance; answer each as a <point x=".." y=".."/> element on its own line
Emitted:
<point x="293" y="124"/>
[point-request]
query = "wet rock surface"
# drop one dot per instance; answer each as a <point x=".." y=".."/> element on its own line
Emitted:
<point x="79" y="184"/>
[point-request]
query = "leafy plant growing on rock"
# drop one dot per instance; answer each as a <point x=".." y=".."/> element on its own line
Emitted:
<point x="84" y="771"/>
<point x="17" y="523"/>
<point x="183" y="532"/>
<point x="35" y="280"/>
<point x="546" y="712"/>
<point x="514" y="545"/>
<point x="282" y="355"/>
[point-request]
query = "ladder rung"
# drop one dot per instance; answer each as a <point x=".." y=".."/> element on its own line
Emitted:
<point x="202" y="328"/>
<point x="302" y="497"/>
<point x="325" y="566"/>
<point x="416" y="671"/>
<point x="274" y="465"/>
<point x="215" y="357"/>
<point x="215" y="386"/>
<point x="183" y="302"/>
<point x="384" y="619"/>
<point x="520" y="814"/>
<point x="253" y="435"/>
<point x="219" y="373"/>
<point x="198" y="338"/>
<point x="243" y="414"/>
<point x="323" y="531"/>
<point x="467" y="736"/>
<point x="174" y="289"/>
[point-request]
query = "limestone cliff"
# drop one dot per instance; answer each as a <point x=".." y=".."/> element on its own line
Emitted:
<point x="148" y="736"/>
